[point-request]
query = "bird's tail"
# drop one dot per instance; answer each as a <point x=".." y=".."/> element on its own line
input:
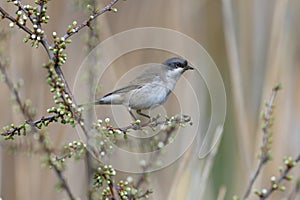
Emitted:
<point x="97" y="102"/>
<point x="101" y="102"/>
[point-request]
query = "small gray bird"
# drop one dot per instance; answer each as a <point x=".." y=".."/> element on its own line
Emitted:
<point x="150" y="89"/>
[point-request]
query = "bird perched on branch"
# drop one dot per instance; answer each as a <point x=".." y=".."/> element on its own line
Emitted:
<point x="150" y="89"/>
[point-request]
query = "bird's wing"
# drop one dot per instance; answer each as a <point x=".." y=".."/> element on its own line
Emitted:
<point x="119" y="96"/>
<point x="123" y="90"/>
<point x="147" y="77"/>
<point x="116" y="97"/>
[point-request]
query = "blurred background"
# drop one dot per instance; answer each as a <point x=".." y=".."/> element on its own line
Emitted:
<point x="255" y="45"/>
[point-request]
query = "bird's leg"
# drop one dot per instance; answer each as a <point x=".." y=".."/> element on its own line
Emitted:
<point x="132" y="115"/>
<point x="143" y="114"/>
<point x="135" y="125"/>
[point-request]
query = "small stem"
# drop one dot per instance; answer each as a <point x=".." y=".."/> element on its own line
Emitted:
<point x="93" y="17"/>
<point x="264" y="149"/>
<point x="27" y="116"/>
<point x="113" y="190"/>
<point x="13" y="90"/>
<point x="281" y="178"/>
<point x="59" y="72"/>
<point x="9" y="17"/>
<point x="21" y="5"/>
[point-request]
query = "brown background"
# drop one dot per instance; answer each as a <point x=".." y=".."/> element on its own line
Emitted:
<point x="255" y="44"/>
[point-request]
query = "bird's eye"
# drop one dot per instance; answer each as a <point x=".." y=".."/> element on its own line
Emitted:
<point x="177" y="64"/>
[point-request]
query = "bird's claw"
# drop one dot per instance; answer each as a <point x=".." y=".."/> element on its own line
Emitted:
<point x="136" y="126"/>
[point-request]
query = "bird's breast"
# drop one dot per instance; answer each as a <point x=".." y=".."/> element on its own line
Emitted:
<point x="148" y="96"/>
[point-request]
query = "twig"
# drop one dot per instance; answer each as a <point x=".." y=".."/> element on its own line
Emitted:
<point x="258" y="169"/>
<point x="58" y="69"/>
<point x="59" y="72"/>
<point x="87" y="22"/>
<point x="264" y="149"/>
<point x="184" y="119"/>
<point x="27" y="116"/>
<point x="21" y="5"/>
<point x="295" y="191"/>
<point x="9" y="17"/>
<point x="51" y="55"/>
<point x="58" y="172"/>
<point x="145" y="195"/>
<point x="33" y="124"/>
<point x="151" y="162"/>
<point x="113" y="190"/>
<point x="279" y="180"/>
<point x="15" y="92"/>
<point x="42" y="3"/>
<point x="93" y="35"/>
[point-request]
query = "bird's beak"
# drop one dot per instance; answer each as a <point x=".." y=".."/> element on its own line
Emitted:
<point x="188" y="68"/>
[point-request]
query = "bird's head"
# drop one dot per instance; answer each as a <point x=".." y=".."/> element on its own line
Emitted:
<point x="176" y="67"/>
<point x="177" y="64"/>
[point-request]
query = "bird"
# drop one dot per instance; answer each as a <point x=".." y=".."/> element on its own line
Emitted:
<point x="149" y="89"/>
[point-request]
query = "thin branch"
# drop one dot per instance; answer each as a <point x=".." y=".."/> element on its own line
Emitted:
<point x="265" y="152"/>
<point x="84" y="24"/>
<point x="15" y="92"/>
<point x="63" y="181"/>
<point x="295" y="191"/>
<point x="59" y="72"/>
<point x="152" y="160"/>
<point x="145" y="195"/>
<point x="21" y="5"/>
<point x="90" y="44"/>
<point x="10" y="18"/>
<point x="176" y="120"/>
<point x="58" y="69"/>
<point x="58" y="172"/>
<point x="33" y="124"/>
<point x="279" y="180"/>
<point x="113" y="190"/>
<point x="87" y="22"/>
<point x="27" y="116"/>
<point x="179" y="120"/>
<point x="253" y="179"/>
<point x="41" y="7"/>
<point x="47" y="46"/>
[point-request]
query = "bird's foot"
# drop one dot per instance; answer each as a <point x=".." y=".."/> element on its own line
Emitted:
<point x="153" y="120"/>
<point x="136" y="125"/>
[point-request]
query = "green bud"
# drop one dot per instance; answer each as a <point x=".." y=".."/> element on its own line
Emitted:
<point x="277" y="87"/>
<point x="235" y="197"/>
<point x="274" y="186"/>
<point x="114" y="10"/>
<point x="282" y="188"/>
<point x="39" y="125"/>
<point x="25" y="40"/>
